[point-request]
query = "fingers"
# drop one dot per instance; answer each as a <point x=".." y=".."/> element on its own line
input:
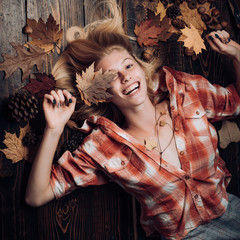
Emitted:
<point x="222" y="36"/>
<point x="60" y="98"/>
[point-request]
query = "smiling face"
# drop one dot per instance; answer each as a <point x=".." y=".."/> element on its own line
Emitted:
<point x="129" y="88"/>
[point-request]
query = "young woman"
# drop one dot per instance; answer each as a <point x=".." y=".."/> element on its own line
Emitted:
<point x="158" y="145"/>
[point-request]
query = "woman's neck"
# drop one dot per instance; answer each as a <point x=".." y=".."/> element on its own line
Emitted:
<point x="140" y="118"/>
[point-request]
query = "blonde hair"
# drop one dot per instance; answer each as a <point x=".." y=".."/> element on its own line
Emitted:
<point x="90" y="44"/>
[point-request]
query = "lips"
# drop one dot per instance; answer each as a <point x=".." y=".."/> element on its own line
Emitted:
<point x="132" y="88"/>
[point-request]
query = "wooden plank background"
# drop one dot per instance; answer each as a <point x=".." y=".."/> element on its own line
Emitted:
<point x="104" y="212"/>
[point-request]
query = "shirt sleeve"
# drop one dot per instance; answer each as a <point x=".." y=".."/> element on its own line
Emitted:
<point x="219" y="102"/>
<point x="75" y="170"/>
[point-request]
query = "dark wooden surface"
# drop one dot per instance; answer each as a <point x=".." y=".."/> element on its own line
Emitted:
<point x="104" y="212"/>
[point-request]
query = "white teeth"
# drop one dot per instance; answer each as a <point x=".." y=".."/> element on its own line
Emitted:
<point x="130" y="88"/>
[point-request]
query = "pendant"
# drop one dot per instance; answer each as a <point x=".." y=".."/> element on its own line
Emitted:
<point x="162" y="123"/>
<point x="150" y="144"/>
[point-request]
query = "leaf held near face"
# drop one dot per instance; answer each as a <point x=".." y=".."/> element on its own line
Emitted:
<point x="92" y="85"/>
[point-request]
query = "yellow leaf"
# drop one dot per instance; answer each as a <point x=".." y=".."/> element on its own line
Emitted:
<point x="160" y="9"/>
<point x="15" y="151"/>
<point x="192" y="39"/>
<point x="191" y="16"/>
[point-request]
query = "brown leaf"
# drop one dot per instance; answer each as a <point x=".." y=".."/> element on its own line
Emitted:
<point x="151" y="5"/>
<point x="191" y="16"/>
<point x="192" y="39"/>
<point x="45" y="36"/>
<point x="228" y="133"/>
<point x="42" y="84"/>
<point x="165" y="25"/>
<point x="93" y="85"/>
<point x="160" y="9"/>
<point x="25" y="60"/>
<point x="15" y="150"/>
<point x="147" y="33"/>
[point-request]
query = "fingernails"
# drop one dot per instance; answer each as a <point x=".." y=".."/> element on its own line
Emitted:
<point x="211" y="38"/>
<point x="54" y="101"/>
<point x="216" y="35"/>
<point x="70" y="100"/>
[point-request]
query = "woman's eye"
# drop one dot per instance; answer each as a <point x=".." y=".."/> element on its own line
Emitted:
<point x="129" y="66"/>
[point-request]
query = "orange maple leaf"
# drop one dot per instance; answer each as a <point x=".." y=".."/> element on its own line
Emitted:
<point x="15" y="150"/>
<point x="147" y="34"/>
<point x="192" y="39"/>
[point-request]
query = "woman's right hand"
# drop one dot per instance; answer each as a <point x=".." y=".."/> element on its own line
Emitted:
<point x="58" y="106"/>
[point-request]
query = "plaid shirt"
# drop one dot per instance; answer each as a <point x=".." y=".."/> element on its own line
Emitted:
<point x="173" y="201"/>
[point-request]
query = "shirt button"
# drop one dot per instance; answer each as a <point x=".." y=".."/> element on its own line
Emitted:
<point x="182" y="153"/>
<point x="197" y="112"/>
<point x="172" y="108"/>
<point x="171" y="85"/>
<point x="195" y="196"/>
<point x="187" y="177"/>
<point x="176" y="128"/>
<point x="122" y="163"/>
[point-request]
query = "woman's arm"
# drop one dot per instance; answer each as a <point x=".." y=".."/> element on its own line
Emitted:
<point x="58" y="108"/>
<point x="220" y="42"/>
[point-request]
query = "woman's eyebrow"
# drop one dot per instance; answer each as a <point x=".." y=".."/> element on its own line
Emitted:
<point x="126" y="59"/>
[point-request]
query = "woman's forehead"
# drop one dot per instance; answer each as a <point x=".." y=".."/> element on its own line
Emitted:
<point x="115" y="59"/>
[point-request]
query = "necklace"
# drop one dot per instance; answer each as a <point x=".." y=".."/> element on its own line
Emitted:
<point x="155" y="144"/>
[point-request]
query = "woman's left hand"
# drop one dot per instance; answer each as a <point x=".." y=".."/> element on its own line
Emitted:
<point x="220" y="42"/>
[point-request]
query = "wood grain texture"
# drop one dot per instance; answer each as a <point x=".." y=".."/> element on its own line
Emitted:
<point x="93" y="213"/>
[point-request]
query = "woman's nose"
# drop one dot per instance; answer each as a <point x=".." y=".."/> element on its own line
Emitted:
<point x="125" y="78"/>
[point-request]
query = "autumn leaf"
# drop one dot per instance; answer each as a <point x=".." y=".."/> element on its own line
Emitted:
<point x="42" y="84"/>
<point x="228" y="133"/>
<point x="45" y="35"/>
<point x="93" y="85"/>
<point x="15" y="150"/>
<point x="191" y="16"/>
<point x="25" y="60"/>
<point x="161" y="10"/>
<point x="147" y="33"/>
<point x="192" y="39"/>
<point x="151" y="5"/>
<point x="165" y="24"/>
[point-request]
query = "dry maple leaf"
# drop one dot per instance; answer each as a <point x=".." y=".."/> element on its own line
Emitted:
<point x="25" y="60"/>
<point x="191" y="16"/>
<point x="151" y="5"/>
<point x="192" y="39"/>
<point x="165" y="24"/>
<point x="45" y="36"/>
<point x="147" y="34"/>
<point x="93" y="85"/>
<point x="15" y="150"/>
<point x="42" y="84"/>
<point x="228" y="133"/>
<point x="160" y="9"/>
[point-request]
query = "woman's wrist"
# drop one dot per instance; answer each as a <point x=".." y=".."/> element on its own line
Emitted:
<point x="54" y="132"/>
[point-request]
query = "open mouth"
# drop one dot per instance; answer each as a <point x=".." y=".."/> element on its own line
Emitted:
<point x="131" y="89"/>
